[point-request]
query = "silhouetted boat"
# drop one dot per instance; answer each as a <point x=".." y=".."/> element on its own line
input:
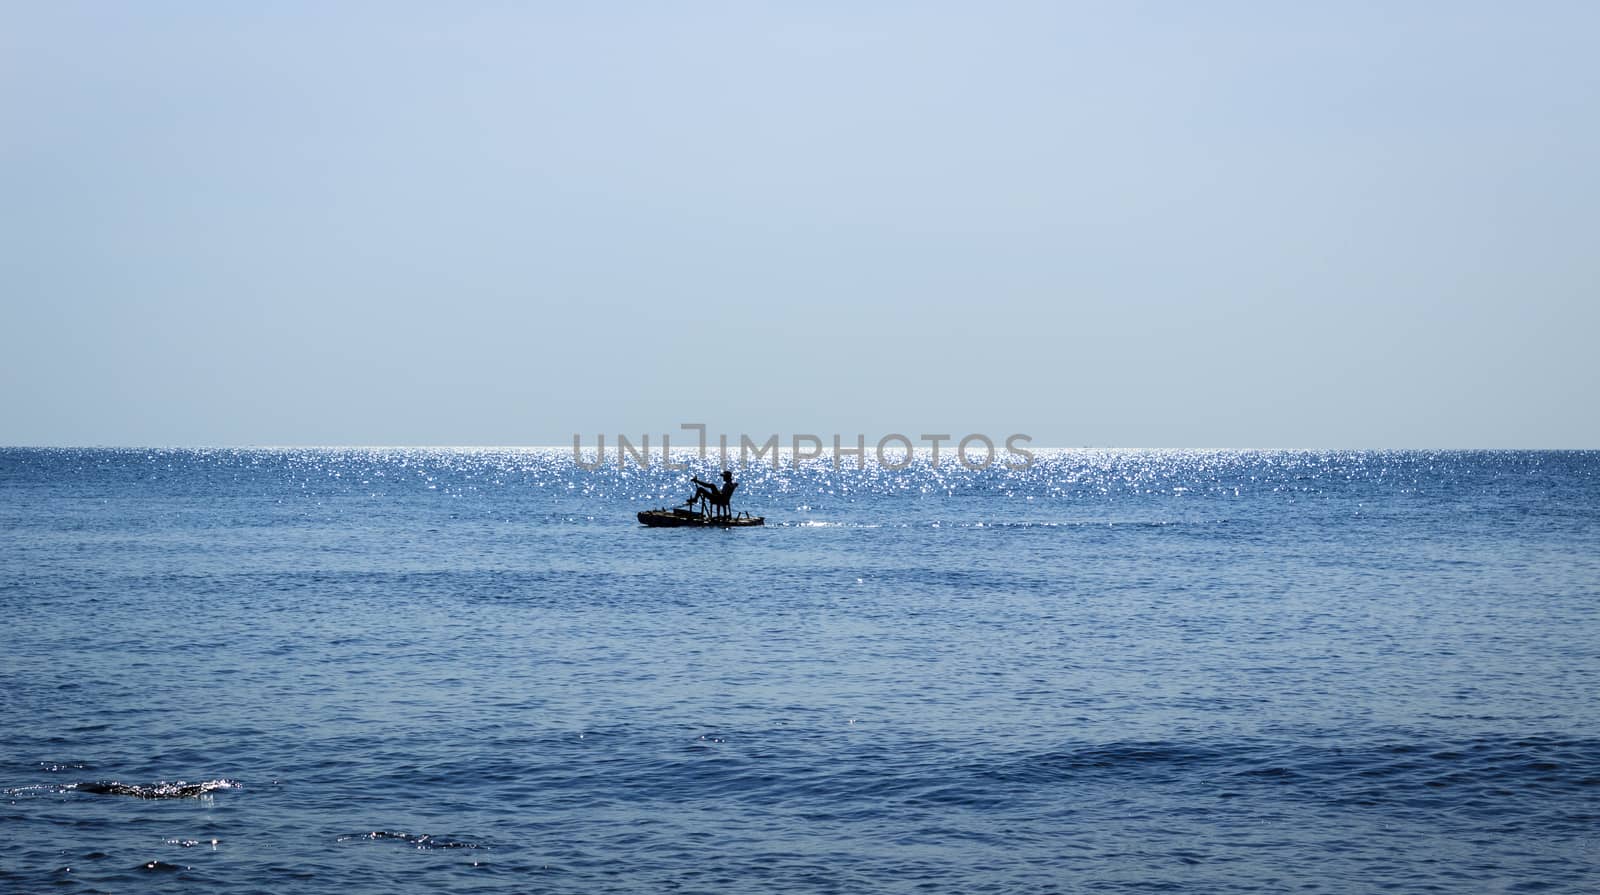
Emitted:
<point x="682" y="518"/>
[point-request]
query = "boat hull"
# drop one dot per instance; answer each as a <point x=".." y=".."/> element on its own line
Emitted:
<point x="684" y="519"/>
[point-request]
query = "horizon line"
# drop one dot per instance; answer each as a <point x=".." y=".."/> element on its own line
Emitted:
<point x="782" y="449"/>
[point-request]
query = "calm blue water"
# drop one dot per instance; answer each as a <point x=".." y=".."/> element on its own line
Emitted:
<point x="473" y="671"/>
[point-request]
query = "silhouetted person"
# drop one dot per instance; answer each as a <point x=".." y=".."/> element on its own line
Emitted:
<point x="719" y="498"/>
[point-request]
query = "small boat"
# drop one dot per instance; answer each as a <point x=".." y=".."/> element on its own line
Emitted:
<point x="684" y="518"/>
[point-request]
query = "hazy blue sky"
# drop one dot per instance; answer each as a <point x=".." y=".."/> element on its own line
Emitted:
<point x="1135" y="224"/>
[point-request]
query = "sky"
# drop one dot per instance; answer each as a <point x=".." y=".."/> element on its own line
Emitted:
<point x="1208" y="224"/>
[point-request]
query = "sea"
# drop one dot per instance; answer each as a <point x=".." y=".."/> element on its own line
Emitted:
<point x="379" y="671"/>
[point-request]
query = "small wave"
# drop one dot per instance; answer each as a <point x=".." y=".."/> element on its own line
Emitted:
<point x="1478" y="770"/>
<point x="161" y="867"/>
<point x="422" y="841"/>
<point x="1152" y="757"/>
<point x="36" y="789"/>
<point x="162" y="790"/>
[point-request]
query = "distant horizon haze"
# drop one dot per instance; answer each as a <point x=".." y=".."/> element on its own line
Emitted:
<point x="1349" y="226"/>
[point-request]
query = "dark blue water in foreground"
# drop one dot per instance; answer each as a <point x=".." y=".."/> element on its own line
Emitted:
<point x="472" y="671"/>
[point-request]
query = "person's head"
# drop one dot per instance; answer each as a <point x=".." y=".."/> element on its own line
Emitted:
<point x="727" y="474"/>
